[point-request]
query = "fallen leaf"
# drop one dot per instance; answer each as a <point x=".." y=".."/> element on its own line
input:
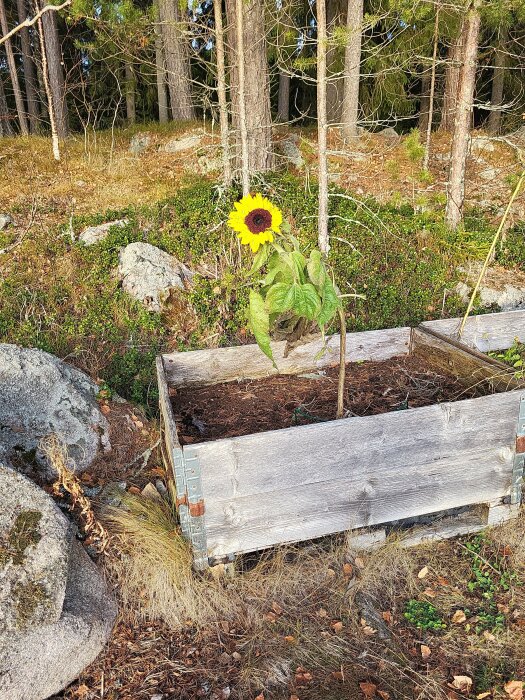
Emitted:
<point x="337" y="626"/>
<point x="338" y="675"/>
<point x="369" y="631"/>
<point x="387" y="616"/>
<point x="359" y="563"/>
<point x="423" y="572"/>
<point x="481" y="696"/>
<point x="260" y="696"/>
<point x="321" y="612"/>
<point x="81" y="691"/>
<point x="294" y="697"/>
<point x="489" y="636"/>
<point x="514" y="689"/>
<point x="442" y="581"/>
<point x="135" y="490"/>
<point x="384" y="694"/>
<point x="461" y="683"/>
<point x="425" y="652"/>
<point x="290" y="639"/>
<point x="430" y="593"/>
<point x="369" y="689"/>
<point x="459" y="617"/>
<point x="330" y="573"/>
<point x="105" y="409"/>
<point x="348" y="570"/>
<point x="277" y="608"/>
<point x="270" y="617"/>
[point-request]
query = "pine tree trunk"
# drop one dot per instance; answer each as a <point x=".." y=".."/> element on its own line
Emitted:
<point x="130" y="93"/>
<point x="221" y="93"/>
<point x="460" y="139"/>
<point x="51" y="109"/>
<point x="424" y="103"/>
<point x="354" y="22"/>
<point x="498" y="81"/>
<point x="452" y="73"/>
<point x="162" y="95"/>
<point x="283" y="101"/>
<point x="5" y="120"/>
<point x="176" y="59"/>
<point x="252" y="56"/>
<point x="322" y="128"/>
<point x="30" y="79"/>
<point x="13" y="73"/>
<point x="430" y="117"/>
<point x="335" y="12"/>
<point x="55" y="73"/>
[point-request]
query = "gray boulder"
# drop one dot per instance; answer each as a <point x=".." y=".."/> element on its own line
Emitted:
<point x="5" y="221"/>
<point x="45" y="659"/>
<point x="388" y="133"/>
<point x="56" y="613"/>
<point x="95" y="234"/>
<point x="35" y="539"/>
<point x="139" y="143"/>
<point x="291" y="151"/>
<point x="481" y="145"/>
<point x="182" y="144"/>
<point x="148" y="274"/>
<point x="41" y="395"/>
<point x="500" y="288"/>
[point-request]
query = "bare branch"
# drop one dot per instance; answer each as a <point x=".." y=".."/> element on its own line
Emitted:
<point x="29" y="22"/>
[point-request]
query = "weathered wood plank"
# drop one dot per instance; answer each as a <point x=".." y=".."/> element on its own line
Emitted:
<point x="309" y="481"/>
<point x="203" y="367"/>
<point x="485" y="332"/>
<point x="170" y="427"/>
<point x="472" y="369"/>
<point x="371" y="447"/>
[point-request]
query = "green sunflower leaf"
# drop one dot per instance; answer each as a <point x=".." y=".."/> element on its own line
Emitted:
<point x="307" y="302"/>
<point x="278" y="271"/>
<point x="280" y="297"/>
<point x="298" y="262"/>
<point x="316" y="269"/>
<point x="260" y="258"/>
<point x="259" y="321"/>
<point x="329" y="305"/>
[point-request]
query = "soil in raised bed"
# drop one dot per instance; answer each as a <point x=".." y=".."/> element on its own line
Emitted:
<point x="282" y="401"/>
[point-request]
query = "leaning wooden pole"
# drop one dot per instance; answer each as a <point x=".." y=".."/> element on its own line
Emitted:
<point x="322" y="128"/>
<point x="49" y="95"/>
<point x="221" y="93"/>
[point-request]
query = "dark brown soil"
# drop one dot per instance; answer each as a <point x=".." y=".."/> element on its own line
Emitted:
<point x="251" y="406"/>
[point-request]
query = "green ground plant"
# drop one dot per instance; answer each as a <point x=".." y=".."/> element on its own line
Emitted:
<point x="424" y="616"/>
<point x="514" y="357"/>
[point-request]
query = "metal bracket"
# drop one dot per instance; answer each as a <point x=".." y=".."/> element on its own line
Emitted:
<point x="519" y="457"/>
<point x="196" y="508"/>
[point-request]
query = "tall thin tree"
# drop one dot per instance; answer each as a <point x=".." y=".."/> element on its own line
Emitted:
<point x="221" y="93"/>
<point x="354" y="28"/>
<point x="162" y="95"/>
<point x="498" y="82"/>
<point x="322" y="128"/>
<point x="13" y="73"/>
<point x="178" y="74"/>
<point x="30" y="79"/>
<point x="55" y="70"/>
<point x="460" y="139"/>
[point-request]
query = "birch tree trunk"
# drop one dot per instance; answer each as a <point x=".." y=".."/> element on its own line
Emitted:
<point x="460" y="139"/>
<point x="5" y="121"/>
<point x="354" y="28"/>
<point x="176" y="54"/>
<point x="55" y="72"/>
<point x="162" y="95"/>
<point x="130" y="93"/>
<point x="324" y="244"/>
<point x="13" y="73"/>
<point x="452" y="73"/>
<point x="498" y="81"/>
<point x="251" y="116"/>
<point x="221" y="93"/>
<point x="30" y="78"/>
<point x="49" y="94"/>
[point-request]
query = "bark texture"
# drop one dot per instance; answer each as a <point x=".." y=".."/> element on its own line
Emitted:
<point x="55" y="72"/>
<point x="253" y="59"/>
<point x="424" y="103"/>
<point x="30" y="78"/>
<point x="6" y="128"/>
<point x="452" y="74"/>
<point x="460" y="139"/>
<point x="322" y="128"/>
<point x="221" y="93"/>
<point x="335" y="17"/>
<point x="130" y="81"/>
<point x="354" y="27"/>
<point x="283" y="101"/>
<point x="162" y="94"/>
<point x="498" y="82"/>
<point x="176" y="57"/>
<point x="13" y="73"/>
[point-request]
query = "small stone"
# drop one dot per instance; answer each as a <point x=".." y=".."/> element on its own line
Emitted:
<point x="5" y="221"/>
<point x="149" y="491"/>
<point x="388" y="133"/>
<point x="208" y="165"/>
<point x="148" y="274"/>
<point x="480" y="145"/>
<point x="139" y="143"/>
<point x="291" y="151"/>
<point x="95" y="234"/>
<point x="183" y="144"/>
<point x="489" y="174"/>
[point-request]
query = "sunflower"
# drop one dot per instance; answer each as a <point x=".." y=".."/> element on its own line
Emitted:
<point x="255" y="219"/>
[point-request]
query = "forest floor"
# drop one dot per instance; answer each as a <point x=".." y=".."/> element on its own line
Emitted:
<point x="449" y="618"/>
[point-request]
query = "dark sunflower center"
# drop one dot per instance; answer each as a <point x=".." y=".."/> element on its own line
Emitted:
<point x="258" y="220"/>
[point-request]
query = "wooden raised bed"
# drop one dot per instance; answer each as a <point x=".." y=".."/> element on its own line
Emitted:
<point x="246" y="493"/>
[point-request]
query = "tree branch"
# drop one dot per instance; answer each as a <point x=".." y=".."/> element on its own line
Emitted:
<point x="29" y="22"/>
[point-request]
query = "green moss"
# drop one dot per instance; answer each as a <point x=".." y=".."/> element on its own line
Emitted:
<point x="28" y="597"/>
<point x="24" y="533"/>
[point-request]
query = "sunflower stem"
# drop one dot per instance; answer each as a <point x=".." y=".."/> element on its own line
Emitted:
<point x="342" y="364"/>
